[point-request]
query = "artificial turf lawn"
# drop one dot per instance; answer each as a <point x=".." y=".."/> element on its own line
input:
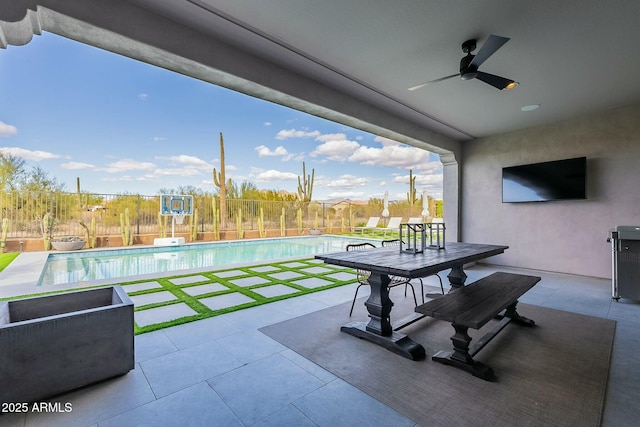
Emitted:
<point x="226" y="277"/>
<point x="7" y="258"/>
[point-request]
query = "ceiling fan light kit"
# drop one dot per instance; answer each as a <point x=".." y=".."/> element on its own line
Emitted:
<point x="470" y="63"/>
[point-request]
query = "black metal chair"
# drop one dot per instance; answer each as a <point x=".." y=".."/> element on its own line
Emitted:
<point x="363" y="276"/>
<point x="396" y="242"/>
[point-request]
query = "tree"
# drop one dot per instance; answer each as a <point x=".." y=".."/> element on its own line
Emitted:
<point x="12" y="171"/>
<point x="40" y="181"/>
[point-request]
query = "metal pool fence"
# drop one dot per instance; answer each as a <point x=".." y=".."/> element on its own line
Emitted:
<point x="24" y="213"/>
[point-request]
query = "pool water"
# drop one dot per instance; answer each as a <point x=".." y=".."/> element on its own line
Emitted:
<point x="110" y="264"/>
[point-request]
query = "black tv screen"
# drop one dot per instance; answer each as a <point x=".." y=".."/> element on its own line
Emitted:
<point x="542" y="182"/>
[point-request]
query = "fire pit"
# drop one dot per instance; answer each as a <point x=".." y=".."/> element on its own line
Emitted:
<point x="68" y="244"/>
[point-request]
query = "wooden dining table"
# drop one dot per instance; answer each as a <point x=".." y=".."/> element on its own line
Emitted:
<point x="392" y="261"/>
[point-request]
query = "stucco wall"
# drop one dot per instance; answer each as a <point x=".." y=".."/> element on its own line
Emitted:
<point x="561" y="236"/>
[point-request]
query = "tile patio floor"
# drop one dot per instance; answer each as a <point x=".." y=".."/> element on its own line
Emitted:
<point x="222" y="371"/>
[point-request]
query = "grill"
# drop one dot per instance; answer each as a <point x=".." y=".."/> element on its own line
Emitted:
<point x="625" y="262"/>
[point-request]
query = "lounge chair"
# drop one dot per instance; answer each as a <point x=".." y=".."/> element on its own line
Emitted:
<point x="371" y="224"/>
<point x="415" y="220"/>
<point x="363" y="276"/>
<point x="393" y="225"/>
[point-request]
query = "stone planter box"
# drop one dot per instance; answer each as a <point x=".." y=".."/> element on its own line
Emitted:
<point x="53" y="344"/>
<point x="61" y="245"/>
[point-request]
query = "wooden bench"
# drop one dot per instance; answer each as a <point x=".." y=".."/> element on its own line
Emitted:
<point x="472" y="306"/>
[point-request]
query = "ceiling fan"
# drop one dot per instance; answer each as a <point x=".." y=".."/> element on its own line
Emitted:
<point x="470" y="63"/>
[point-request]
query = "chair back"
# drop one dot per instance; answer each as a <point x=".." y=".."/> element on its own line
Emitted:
<point x="361" y="275"/>
<point x="394" y="222"/>
<point x="360" y="246"/>
<point x="373" y="222"/>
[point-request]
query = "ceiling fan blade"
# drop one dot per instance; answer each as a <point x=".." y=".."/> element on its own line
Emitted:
<point x="495" y="81"/>
<point x="420" y="86"/>
<point x="489" y="47"/>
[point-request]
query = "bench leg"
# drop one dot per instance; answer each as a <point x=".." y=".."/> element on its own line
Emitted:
<point x="512" y="313"/>
<point x="460" y="356"/>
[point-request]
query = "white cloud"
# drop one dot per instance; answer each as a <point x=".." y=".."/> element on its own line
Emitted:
<point x="429" y="182"/>
<point x="391" y="155"/>
<point x="125" y="178"/>
<point x="35" y="156"/>
<point x="292" y="133"/>
<point x="267" y="123"/>
<point x="385" y="141"/>
<point x="159" y="138"/>
<point x="264" y="151"/>
<point x="189" y="161"/>
<point x="77" y="166"/>
<point x="7" y="130"/>
<point x="274" y="175"/>
<point x="143" y="96"/>
<point x="128" y="165"/>
<point x="346" y="182"/>
<point x="335" y="147"/>
<point x="188" y="171"/>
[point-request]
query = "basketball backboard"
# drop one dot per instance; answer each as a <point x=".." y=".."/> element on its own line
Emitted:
<point x="176" y="204"/>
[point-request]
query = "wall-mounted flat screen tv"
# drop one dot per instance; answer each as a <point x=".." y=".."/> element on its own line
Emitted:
<point x="541" y="182"/>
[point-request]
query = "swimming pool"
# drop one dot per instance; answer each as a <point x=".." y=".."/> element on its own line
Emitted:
<point x="115" y="263"/>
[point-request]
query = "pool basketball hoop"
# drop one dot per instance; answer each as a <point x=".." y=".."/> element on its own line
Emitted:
<point x="179" y="218"/>
<point x="177" y="206"/>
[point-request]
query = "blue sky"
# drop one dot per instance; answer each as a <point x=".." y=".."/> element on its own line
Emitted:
<point x="125" y="126"/>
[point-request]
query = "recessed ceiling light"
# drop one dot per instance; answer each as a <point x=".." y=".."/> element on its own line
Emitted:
<point x="530" y="107"/>
<point x="511" y="85"/>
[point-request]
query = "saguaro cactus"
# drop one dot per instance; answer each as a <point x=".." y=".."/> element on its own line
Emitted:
<point x="220" y="181"/>
<point x="305" y="186"/>
<point x="5" y="228"/>
<point x="193" y="226"/>
<point x="47" y="230"/>
<point x="162" y="225"/>
<point x="216" y="219"/>
<point x="299" y="220"/>
<point x="91" y="232"/>
<point x="239" y="225"/>
<point x="125" y="228"/>
<point x="283" y="228"/>
<point x="261" y="229"/>
<point x="79" y="193"/>
<point x="412" y="197"/>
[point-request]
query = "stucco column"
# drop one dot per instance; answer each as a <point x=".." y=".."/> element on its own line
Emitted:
<point x="451" y="196"/>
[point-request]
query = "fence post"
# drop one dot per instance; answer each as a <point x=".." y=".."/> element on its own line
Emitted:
<point x="138" y="216"/>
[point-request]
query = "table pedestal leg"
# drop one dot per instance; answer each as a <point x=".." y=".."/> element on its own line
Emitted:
<point x="379" y="329"/>
<point x="457" y="277"/>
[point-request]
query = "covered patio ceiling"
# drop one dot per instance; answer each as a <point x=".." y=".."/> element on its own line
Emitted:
<point x="353" y="62"/>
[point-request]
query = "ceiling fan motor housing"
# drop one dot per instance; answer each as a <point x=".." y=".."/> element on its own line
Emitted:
<point x="468" y="71"/>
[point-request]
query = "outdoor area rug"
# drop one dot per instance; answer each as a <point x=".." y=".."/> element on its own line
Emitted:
<point x="554" y="374"/>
